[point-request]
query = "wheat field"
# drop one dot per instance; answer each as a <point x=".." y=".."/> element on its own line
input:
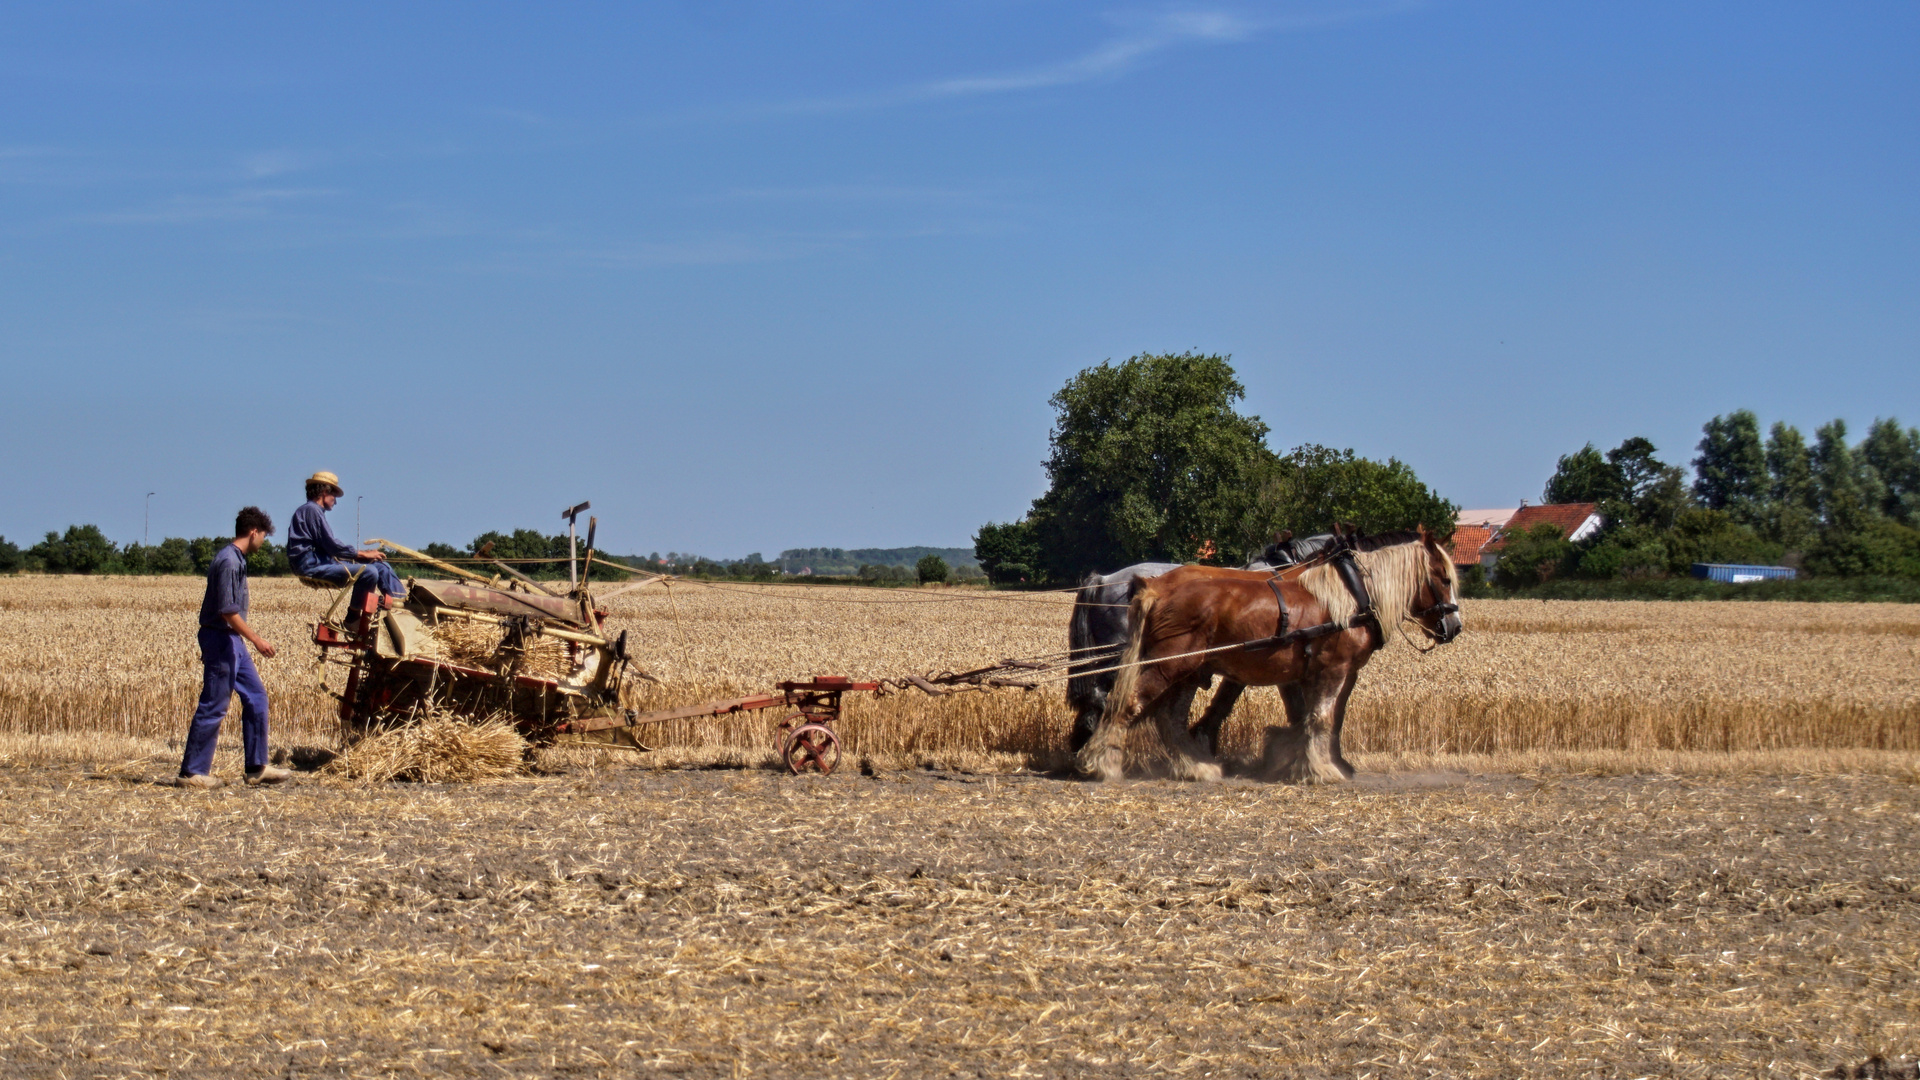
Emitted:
<point x="96" y="668"/>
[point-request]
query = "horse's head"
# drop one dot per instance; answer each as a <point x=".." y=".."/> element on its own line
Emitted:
<point x="1437" y="605"/>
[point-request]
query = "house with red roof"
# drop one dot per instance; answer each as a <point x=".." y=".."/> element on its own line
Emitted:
<point x="1474" y="530"/>
<point x="1576" y="521"/>
<point x="1467" y="542"/>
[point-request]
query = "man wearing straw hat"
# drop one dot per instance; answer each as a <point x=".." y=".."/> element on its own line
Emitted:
<point x="314" y="553"/>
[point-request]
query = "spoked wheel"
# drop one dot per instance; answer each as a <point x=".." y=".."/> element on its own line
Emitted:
<point x="783" y="732"/>
<point x="811" y="747"/>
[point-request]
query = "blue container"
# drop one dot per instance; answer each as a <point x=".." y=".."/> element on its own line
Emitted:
<point x="1736" y="574"/>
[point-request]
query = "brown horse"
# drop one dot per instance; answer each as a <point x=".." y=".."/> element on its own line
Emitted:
<point x="1199" y="621"/>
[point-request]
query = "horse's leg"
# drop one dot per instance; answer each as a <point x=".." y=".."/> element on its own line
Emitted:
<point x="1302" y="752"/>
<point x="1104" y="755"/>
<point x="1295" y="700"/>
<point x="1085" y="721"/>
<point x="1224" y="699"/>
<point x="1190" y="762"/>
<point x="1286" y="746"/>
<point x="1100" y="755"/>
<point x="1340" y="720"/>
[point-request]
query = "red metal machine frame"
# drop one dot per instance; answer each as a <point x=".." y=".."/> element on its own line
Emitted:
<point x="805" y="739"/>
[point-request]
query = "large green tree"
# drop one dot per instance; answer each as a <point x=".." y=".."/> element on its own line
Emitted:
<point x="1731" y="471"/>
<point x="1314" y="487"/>
<point x="1150" y="460"/>
<point x="83" y="549"/>
<point x="1894" y="455"/>
<point x="1584" y="476"/>
<point x="1629" y="483"/>
<point x="1008" y="553"/>
<point x="1652" y="490"/>
<point x="1848" y="492"/>
<point x="1793" y="509"/>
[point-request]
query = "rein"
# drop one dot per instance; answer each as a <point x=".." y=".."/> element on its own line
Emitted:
<point x="1032" y="673"/>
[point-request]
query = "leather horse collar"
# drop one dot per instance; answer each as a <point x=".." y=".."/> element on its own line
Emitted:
<point x="1350" y="576"/>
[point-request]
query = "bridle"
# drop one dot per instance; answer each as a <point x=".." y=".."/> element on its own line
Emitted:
<point x="1341" y="559"/>
<point x="1439" y="607"/>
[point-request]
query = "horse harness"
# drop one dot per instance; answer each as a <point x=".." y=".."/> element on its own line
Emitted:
<point x="1363" y="614"/>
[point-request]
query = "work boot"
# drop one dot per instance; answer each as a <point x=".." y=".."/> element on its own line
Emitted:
<point x="268" y="775"/>
<point x="199" y="782"/>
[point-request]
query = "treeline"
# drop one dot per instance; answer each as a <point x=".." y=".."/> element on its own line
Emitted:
<point x="543" y="556"/>
<point x="1150" y="461"/>
<point x="1831" y="509"/>
<point x="844" y="562"/>
<point x="84" y="549"/>
<point x="537" y="555"/>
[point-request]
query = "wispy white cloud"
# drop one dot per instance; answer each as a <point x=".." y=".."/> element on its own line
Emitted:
<point x="1140" y="39"/>
<point x="1111" y="58"/>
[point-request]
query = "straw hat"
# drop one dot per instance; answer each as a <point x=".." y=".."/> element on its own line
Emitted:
<point x="328" y="479"/>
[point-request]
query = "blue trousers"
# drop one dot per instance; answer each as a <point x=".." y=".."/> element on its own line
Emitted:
<point x="365" y="576"/>
<point x="226" y="669"/>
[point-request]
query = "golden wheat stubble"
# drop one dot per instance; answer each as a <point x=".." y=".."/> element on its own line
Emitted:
<point x="114" y="657"/>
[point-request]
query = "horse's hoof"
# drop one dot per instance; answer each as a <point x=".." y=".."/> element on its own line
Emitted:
<point x="1205" y="772"/>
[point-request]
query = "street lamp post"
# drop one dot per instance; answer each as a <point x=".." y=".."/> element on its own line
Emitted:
<point x="146" y="522"/>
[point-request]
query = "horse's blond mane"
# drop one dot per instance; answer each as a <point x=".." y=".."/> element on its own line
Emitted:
<point x="1393" y="574"/>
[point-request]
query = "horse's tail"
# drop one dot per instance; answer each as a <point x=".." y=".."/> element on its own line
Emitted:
<point x="1139" y="610"/>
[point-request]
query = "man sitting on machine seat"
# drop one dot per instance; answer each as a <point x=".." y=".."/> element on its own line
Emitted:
<point x="316" y="555"/>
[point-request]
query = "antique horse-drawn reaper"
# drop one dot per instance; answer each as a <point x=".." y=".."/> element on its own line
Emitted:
<point x="1309" y="634"/>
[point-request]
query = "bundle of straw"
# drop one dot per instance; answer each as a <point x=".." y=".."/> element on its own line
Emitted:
<point x="482" y="645"/>
<point x="436" y="747"/>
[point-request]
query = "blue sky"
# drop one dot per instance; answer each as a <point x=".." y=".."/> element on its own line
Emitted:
<point x="752" y="275"/>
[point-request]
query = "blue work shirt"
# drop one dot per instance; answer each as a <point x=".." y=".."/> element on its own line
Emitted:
<point x="226" y="589"/>
<point x="310" y="542"/>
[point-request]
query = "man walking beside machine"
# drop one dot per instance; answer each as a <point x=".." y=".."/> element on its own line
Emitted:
<point x="226" y="669"/>
<point x="316" y="555"/>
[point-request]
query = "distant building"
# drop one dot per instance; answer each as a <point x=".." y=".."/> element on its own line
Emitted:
<point x="1576" y="521"/>
<point x="1492" y="519"/>
<point x="1473" y="530"/>
<point x="1467" y="542"/>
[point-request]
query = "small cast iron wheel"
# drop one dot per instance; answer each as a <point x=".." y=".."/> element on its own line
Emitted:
<point x="783" y="732"/>
<point x="812" y="746"/>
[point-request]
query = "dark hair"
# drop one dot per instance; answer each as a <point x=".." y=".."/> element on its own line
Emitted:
<point x="317" y="488"/>
<point x="250" y="519"/>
